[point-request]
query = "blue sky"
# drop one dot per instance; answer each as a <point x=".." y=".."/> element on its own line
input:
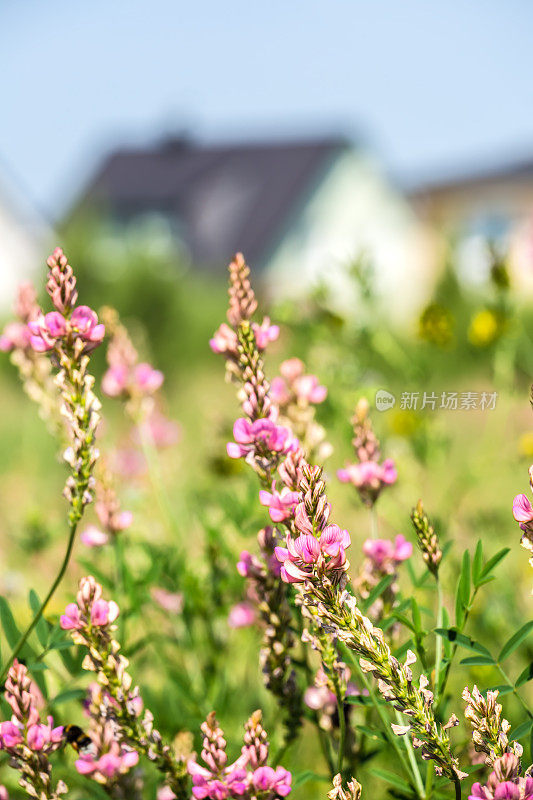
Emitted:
<point x="429" y="85"/>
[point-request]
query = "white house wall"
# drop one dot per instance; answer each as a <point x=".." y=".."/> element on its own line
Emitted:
<point x="354" y="210"/>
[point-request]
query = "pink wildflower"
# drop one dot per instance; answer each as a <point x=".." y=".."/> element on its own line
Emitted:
<point x="164" y="793"/>
<point x="275" y="781"/>
<point x="305" y="552"/>
<point x="10" y="735"/>
<point x="71" y="619"/>
<point x="3" y="793"/>
<point x="38" y="736"/>
<point x="141" y="379"/>
<point x="94" y="537"/>
<point x="262" y="434"/>
<point x="104" y="612"/>
<point x="369" y="474"/>
<point x="161" y="431"/>
<point x="15" y="335"/>
<point x="280" y="505"/>
<point x="295" y="386"/>
<point x="115" y="762"/>
<point x="522" y="510"/>
<point x="224" y="341"/>
<point x="241" y="615"/>
<point x="169" y="601"/>
<point x="381" y="551"/>
<point x="265" y="333"/>
<point x="83" y="325"/>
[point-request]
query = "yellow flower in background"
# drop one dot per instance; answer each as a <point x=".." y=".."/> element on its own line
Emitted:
<point x="403" y="422"/>
<point x="484" y="328"/>
<point x="525" y="444"/>
<point x="435" y="325"/>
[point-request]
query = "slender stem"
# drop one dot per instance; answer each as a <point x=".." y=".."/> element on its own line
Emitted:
<point x="412" y="760"/>
<point x="454" y="651"/>
<point x="438" y="644"/>
<point x="322" y="737"/>
<point x="515" y="692"/>
<point x="457" y="784"/>
<point x="24" y="638"/>
<point x="156" y="478"/>
<point x="342" y="730"/>
<point x="374" y="524"/>
<point x="386" y="725"/>
<point x="429" y="779"/>
<point x="119" y="567"/>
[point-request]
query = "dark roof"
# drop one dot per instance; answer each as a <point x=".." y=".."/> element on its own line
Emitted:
<point x="220" y="198"/>
<point x="476" y="176"/>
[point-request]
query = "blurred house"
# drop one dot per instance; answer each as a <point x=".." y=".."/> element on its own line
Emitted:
<point x="300" y="211"/>
<point x="474" y="207"/>
<point x="24" y="238"/>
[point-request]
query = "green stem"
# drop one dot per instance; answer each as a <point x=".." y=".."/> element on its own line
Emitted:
<point x="382" y="715"/>
<point x="429" y="779"/>
<point x="515" y="692"/>
<point x="438" y="644"/>
<point x="457" y="784"/>
<point x="119" y="567"/>
<point x="156" y="479"/>
<point x="374" y="524"/>
<point x="342" y="730"/>
<point x="412" y="760"/>
<point x="24" y="638"/>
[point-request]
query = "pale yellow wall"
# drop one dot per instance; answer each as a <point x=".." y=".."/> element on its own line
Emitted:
<point x="356" y="209"/>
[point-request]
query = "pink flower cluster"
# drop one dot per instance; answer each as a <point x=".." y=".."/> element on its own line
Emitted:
<point x="307" y="553"/>
<point x="15" y="336"/>
<point x="81" y="325"/>
<point x="295" y="386"/>
<point x="262" y="436"/>
<point x="523" y="512"/>
<point x="504" y="782"/>
<point x="281" y="504"/>
<point x="384" y="553"/>
<point x="241" y="615"/>
<point x="90" y="610"/>
<point x="25" y="728"/>
<point x="249" y="777"/>
<point x="251" y="566"/>
<point x="117" y="760"/>
<point x="37" y="736"/>
<point x="124" y="380"/>
<point x="225" y="341"/>
<point x="112" y="519"/>
<point x="369" y="475"/>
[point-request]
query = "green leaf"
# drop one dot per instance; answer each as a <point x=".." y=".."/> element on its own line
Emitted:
<point x="465" y="579"/>
<point x="502" y="689"/>
<point x="8" y="623"/>
<point x="370" y="733"/>
<point x="393" y="779"/>
<point x="461" y="640"/>
<point x="358" y="700"/>
<point x="41" y="628"/>
<point x="515" y="641"/>
<point x="522" y="730"/>
<point x="477" y="564"/>
<point x="68" y="694"/>
<point x="478" y="661"/>
<point x="378" y="590"/>
<point x="494" y="561"/>
<point x="415" y="611"/>
<point x="303" y="777"/>
<point x="525" y="676"/>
